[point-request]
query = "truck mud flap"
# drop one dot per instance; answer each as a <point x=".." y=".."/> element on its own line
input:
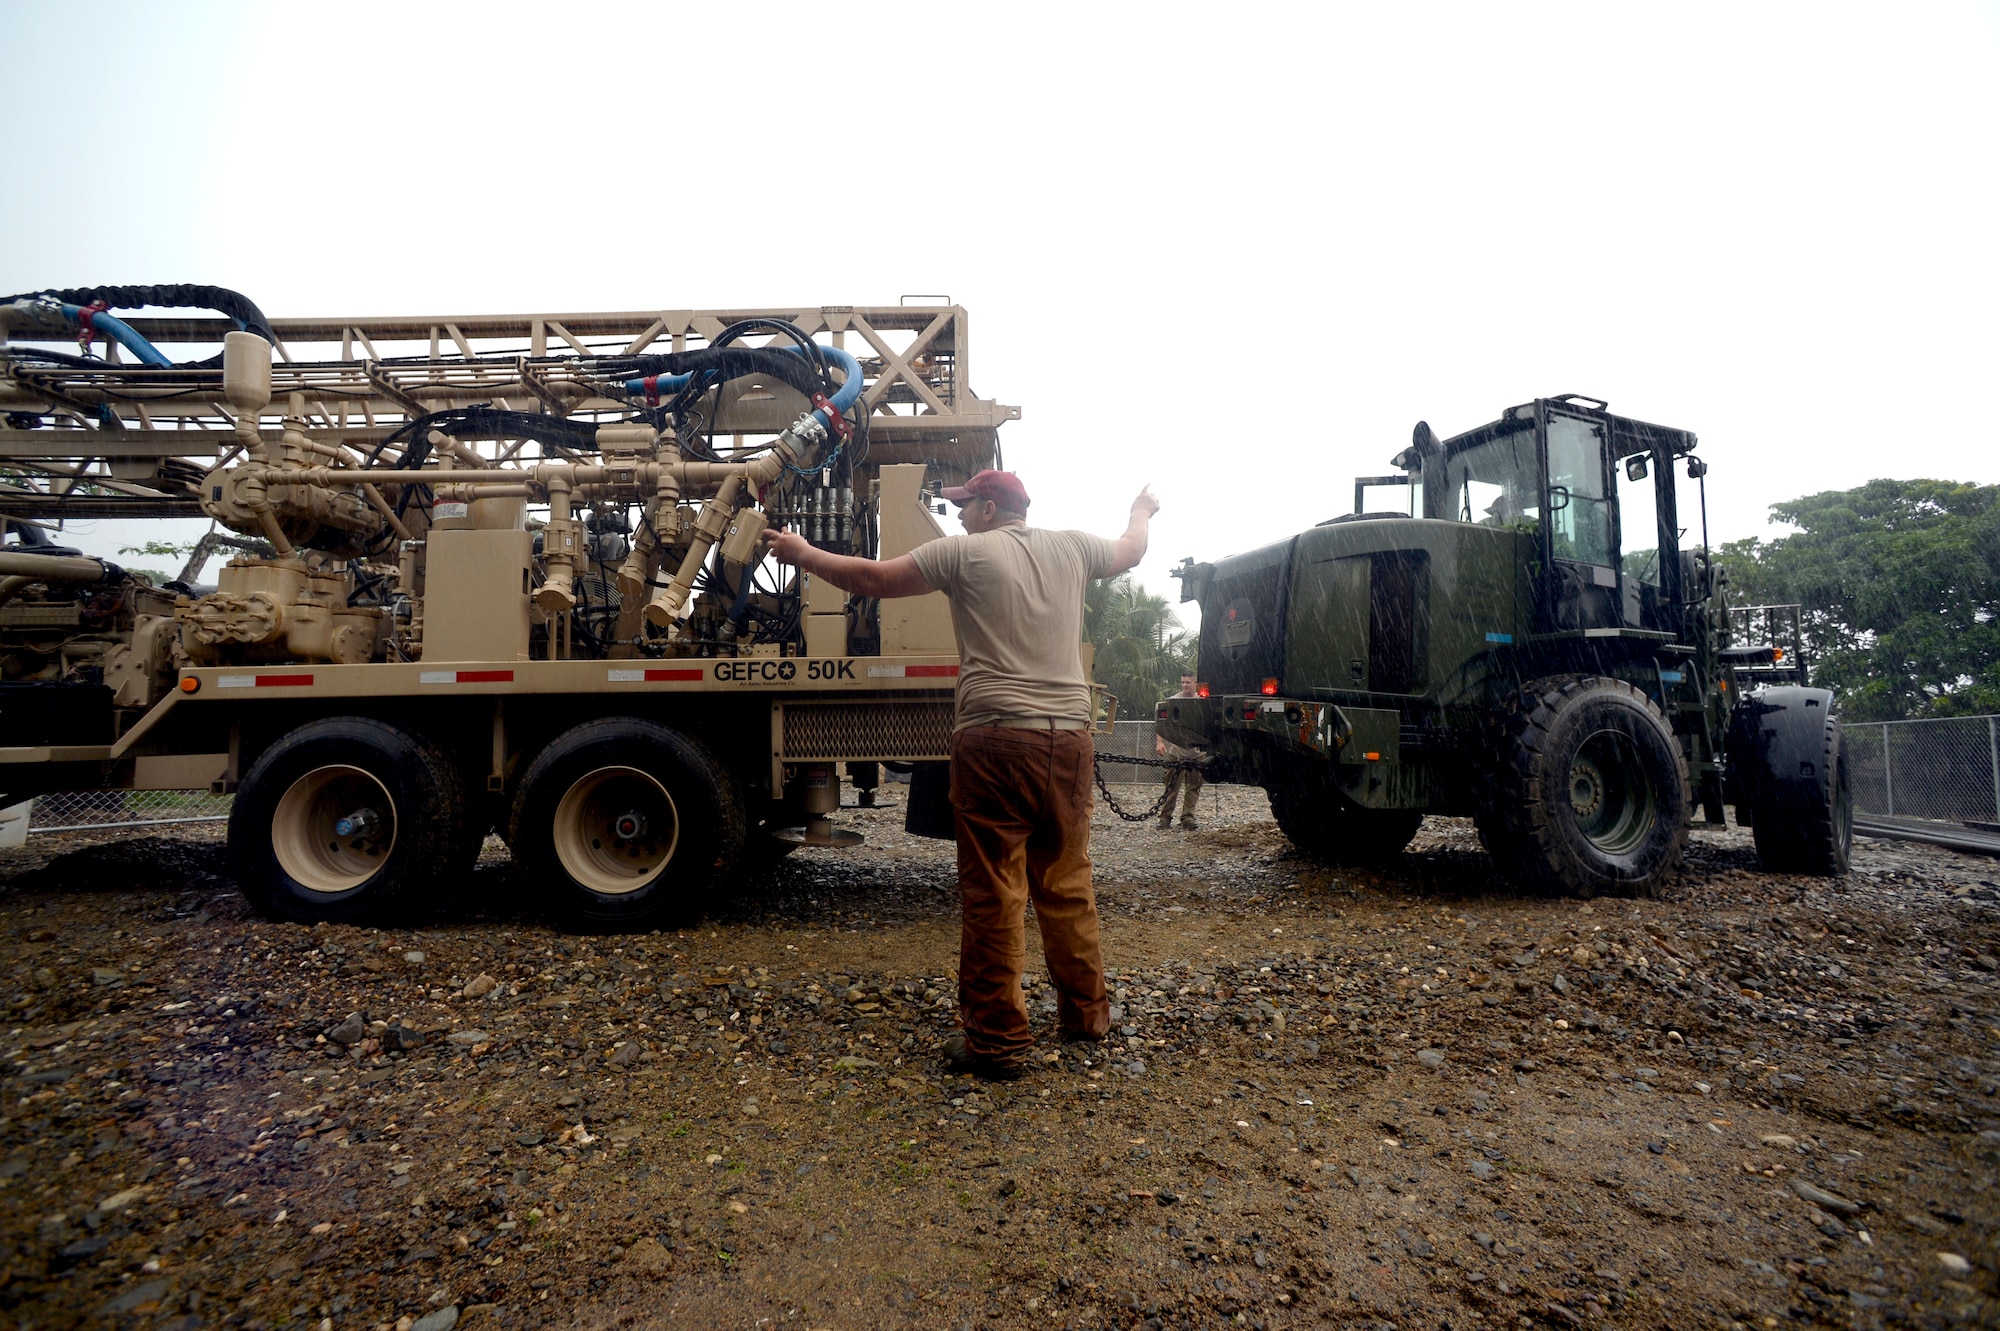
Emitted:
<point x="928" y="813"/>
<point x="1776" y="742"/>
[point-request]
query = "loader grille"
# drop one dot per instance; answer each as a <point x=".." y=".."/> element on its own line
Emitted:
<point x="835" y="731"/>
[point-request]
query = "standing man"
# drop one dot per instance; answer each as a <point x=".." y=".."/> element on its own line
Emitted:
<point x="1021" y="752"/>
<point x="1184" y="780"/>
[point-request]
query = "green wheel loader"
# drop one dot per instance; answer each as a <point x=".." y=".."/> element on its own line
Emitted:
<point x="1529" y="637"/>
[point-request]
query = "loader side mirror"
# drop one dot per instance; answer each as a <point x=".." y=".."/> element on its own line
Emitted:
<point x="1194" y="578"/>
<point x="1696" y="469"/>
<point x="1635" y="467"/>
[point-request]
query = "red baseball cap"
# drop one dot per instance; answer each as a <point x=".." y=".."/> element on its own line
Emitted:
<point x="1004" y="488"/>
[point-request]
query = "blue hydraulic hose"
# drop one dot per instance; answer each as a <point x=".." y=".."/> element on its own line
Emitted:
<point x="662" y="384"/>
<point x="123" y="333"/>
<point x="850" y="391"/>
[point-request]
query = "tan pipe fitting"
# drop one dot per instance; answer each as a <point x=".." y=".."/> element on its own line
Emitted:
<point x="708" y="529"/>
<point x="561" y="543"/>
<point x="51" y="568"/>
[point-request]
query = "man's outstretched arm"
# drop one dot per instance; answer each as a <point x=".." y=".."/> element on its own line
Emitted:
<point x="1131" y="546"/>
<point x="859" y="577"/>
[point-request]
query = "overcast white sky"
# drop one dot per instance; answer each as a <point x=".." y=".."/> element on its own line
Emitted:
<point x="1236" y="251"/>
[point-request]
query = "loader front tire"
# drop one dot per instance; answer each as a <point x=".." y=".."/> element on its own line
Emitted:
<point x="1592" y="791"/>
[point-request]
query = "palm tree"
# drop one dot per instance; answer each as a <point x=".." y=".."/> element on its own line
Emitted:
<point x="1142" y="649"/>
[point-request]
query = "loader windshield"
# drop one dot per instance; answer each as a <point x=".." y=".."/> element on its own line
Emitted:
<point x="1495" y="482"/>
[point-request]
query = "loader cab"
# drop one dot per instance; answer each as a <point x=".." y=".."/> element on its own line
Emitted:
<point x="1593" y="489"/>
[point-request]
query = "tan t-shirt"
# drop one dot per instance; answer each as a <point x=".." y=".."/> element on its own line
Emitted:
<point x="1017" y="612"/>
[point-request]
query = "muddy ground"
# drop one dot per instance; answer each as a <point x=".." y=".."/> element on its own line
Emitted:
<point x="1409" y="1098"/>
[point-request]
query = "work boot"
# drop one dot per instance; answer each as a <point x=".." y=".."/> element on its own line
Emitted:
<point x="1190" y="825"/>
<point x="959" y="1059"/>
<point x="1166" y="824"/>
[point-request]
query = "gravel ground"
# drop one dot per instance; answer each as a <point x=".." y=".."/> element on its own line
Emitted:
<point x="1409" y="1098"/>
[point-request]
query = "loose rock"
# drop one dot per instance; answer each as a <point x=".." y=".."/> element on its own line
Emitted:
<point x="649" y="1257"/>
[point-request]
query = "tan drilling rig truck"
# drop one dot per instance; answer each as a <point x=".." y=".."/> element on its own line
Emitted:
<point x="492" y="574"/>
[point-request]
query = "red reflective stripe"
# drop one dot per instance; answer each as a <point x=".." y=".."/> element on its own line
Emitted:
<point x="284" y="681"/>
<point x="485" y="676"/>
<point x="929" y="672"/>
<point x="656" y="675"/>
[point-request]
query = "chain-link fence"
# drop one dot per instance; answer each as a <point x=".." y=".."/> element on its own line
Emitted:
<point x="139" y="808"/>
<point x="1941" y="770"/>
<point x="1130" y="739"/>
<point x="70" y="810"/>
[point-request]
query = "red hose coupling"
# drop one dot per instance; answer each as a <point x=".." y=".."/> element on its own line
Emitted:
<point x="86" y="320"/>
<point x="841" y="425"/>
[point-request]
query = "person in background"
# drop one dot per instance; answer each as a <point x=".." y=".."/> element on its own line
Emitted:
<point x="1186" y="781"/>
<point x="1021" y="752"/>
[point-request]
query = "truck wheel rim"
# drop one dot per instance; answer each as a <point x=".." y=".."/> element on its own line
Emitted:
<point x="1610" y="795"/>
<point x="334" y="829"/>
<point x="615" y="830"/>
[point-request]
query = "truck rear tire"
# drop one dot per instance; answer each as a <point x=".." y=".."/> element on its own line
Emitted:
<point x="1592" y="791"/>
<point x="345" y="819"/>
<point x="1322" y="823"/>
<point x="635" y="824"/>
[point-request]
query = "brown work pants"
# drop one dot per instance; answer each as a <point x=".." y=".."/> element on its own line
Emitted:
<point x="1021" y="806"/>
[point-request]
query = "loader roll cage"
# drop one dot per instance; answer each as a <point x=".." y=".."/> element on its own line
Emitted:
<point x="1553" y="468"/>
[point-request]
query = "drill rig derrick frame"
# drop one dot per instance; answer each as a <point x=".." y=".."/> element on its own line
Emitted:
<point x="615" y="685"/>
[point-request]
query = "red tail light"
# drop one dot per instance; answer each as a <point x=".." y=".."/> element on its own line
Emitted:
<point x="1201" y="690"/>
<point x="1270" y="688"/>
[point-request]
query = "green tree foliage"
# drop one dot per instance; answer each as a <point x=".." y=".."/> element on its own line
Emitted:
<point x="1142" y="649"/>
<point x="1900" y="587"/>
<point x="170" y="549"/>
<point x="198" y="553"/>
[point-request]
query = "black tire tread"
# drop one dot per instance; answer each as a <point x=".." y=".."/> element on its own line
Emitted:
<point x="425" y="861"/>
<point x="1517" y="829"/>
<point x="728" y="829"/>
<point x="1320" y="823"/>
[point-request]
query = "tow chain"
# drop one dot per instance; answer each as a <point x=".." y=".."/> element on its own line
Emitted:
<point x="1174" y="764"/>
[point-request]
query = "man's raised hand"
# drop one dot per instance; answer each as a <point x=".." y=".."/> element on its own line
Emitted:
<point x="785" y="546"/>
